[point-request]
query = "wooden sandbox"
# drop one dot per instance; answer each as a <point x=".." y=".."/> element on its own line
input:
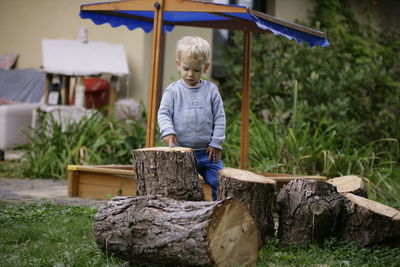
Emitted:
<point x="106" y="181"/>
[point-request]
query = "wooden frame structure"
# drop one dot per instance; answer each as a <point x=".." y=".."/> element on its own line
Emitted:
<point x="105" y="181"/>
<point x="232" y="22"/>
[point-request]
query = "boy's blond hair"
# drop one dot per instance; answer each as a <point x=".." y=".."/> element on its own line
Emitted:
<point x="193" y="46"/>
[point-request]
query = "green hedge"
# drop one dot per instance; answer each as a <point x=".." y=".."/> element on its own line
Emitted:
<point x="355" y="80"/>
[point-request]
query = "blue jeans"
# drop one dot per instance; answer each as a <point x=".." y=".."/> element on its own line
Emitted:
<point x="208" y="170"/>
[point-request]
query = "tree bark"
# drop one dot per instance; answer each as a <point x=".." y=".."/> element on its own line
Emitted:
<point x="368" y="222"/>
<point x="308" y="210"/>
<point x="154" y="230"/>
<point x="254" y="191"/>
<point x="170" y="172"/>
<point x="350" y="184"/>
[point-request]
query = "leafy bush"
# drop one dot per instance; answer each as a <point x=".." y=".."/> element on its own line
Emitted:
<point x="95" y="139"/>
<point x="355" y="80"/>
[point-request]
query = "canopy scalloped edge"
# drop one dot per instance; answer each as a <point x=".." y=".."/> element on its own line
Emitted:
<point x="290" y="34"/>
<point x="115" y="21"/>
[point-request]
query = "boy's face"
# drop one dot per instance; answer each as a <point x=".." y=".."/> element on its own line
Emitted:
<point x="191" y="69"/>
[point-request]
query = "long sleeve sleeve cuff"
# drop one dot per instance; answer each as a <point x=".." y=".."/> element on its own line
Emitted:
<point x="216" y="144"/>
<point x="168" y="131"/>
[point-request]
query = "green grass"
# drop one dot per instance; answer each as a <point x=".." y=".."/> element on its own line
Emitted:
<point x="56" y="235"/>
<point x="48" y="235"/>
<point x="331" y="253"/>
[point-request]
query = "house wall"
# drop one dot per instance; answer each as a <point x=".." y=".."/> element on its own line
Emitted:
<point x="378" y="14"/>
<point x="383" y="15"/>
<point x="291" y="10"/>
<point x="24" y="23"/>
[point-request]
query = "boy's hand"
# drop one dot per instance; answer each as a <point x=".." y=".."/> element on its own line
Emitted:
<point x="214" y="154"/>
<point x="169" y="140"/>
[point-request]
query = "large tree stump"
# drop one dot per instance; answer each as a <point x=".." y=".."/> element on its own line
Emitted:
<point x="170" y="172"/>
<point x="307" y="210"/>
<point x="156" y="230"/>
<point x="350" y="184"/>
<point x="256" y="192"/>
<point x="368" y="222"/>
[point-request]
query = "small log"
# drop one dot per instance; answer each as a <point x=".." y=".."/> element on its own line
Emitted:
<point x="154" y="230"/>
<point x="368" y="222"/>
<point x="307" y="211"/>
<point x="350" y="184"/>
<point x="254" y="191"/>
<point x="282" y="179"/>
<point x="170" y="172"/>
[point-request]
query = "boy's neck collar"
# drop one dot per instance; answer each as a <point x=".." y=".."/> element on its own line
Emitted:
<point x="191" y="86"/>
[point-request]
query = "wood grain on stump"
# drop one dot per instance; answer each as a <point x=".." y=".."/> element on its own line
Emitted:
<point x="350" y="184"/>
<point x="254" y="191"/>
<point x="308" y="210"/>
<point x="156" y="230"/>
<point x="368" y="222"/>
<point x="170" y="172"/>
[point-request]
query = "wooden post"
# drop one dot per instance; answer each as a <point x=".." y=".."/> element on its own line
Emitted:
<point x="113" y="95"/>
<point x="65" y="88"/>
<point x="154" y="73"/>
<point x="46" y="87"/>
<point x="244" y="135"/>
<point x="161" y="54"/>
<point x="73" y="183"/>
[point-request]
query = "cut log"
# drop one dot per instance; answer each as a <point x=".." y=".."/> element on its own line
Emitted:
<point x="154" y="230"/>
<point x="308" y="210"/>
<point x="350" y="184"/>
<point x="368" y="222"/>
<point x="282" y="179"/>
<point x="254" y="191"/>
<point x="170" y="172"/>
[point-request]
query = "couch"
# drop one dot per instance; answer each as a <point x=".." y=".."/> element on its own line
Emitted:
<point x="21" y="92"/>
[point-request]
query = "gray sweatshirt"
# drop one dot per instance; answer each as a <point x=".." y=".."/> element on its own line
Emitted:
<point x="195" y="115"/>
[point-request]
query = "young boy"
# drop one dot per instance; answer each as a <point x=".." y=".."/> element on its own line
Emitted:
<point x="191" y="112"/>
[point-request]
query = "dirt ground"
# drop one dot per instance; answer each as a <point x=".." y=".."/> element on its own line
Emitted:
<point x="40" y="190"/>
<point x="37" y="190"/>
